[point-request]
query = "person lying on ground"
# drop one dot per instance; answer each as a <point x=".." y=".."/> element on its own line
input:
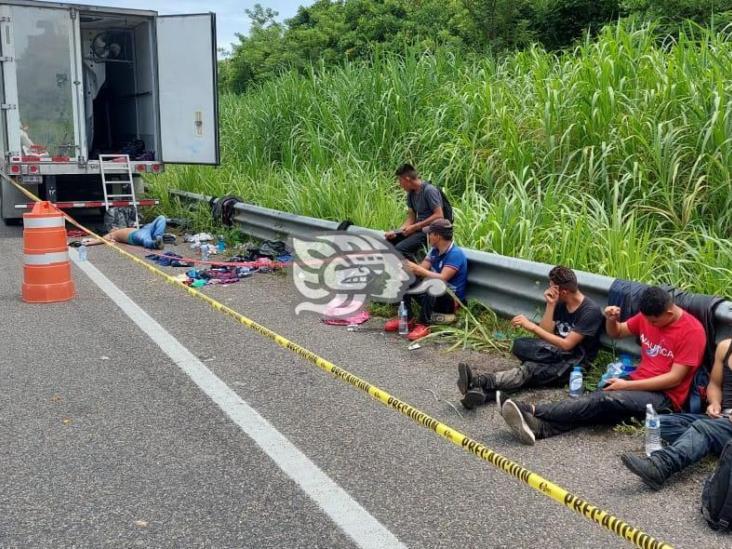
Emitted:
<point x="568" y="334"/>
<point x="149" y="236"/>
<point x="692" y="436"/>
<point x="446" y="262"/>
<point x="672" y="348"/>
<point x="424" y="203"/>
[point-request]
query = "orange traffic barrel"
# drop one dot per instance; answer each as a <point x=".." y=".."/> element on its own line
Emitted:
<point x="46" y="269"/>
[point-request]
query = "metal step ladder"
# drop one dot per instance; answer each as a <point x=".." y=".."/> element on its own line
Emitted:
<point x="118" y="165"/>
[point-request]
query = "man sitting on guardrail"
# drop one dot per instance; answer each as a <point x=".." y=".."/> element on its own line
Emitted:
<point x="447" y="263"/>
<point x="568" y="334"/>
<point x="672" y="348"/>
<point x="425" y="205"/>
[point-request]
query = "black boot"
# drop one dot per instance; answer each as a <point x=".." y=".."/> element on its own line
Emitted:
<point x="465" y="378"/>
<point x="648" y="469"/>
<point x="477" y="396"/>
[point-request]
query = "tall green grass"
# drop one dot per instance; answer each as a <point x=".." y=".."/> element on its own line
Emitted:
<point x="613" y="158"/>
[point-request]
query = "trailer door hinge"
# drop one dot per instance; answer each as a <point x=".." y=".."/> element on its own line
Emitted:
<point x="7" y="107"/>
<point x="5" y="19"/>
<point x="6" y="59"/>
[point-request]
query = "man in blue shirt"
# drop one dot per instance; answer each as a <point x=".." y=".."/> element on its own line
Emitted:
<point x="445" y="262"/>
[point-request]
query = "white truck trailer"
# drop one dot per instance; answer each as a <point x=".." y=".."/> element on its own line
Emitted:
<point x="92" y="98"/>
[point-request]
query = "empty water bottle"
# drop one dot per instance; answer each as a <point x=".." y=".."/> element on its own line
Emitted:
<point x="575" y="382"/>
<point x="204" y="252"/>
<point x="220" y="244"/>
<point x="82" y="252"/>
<point x="403" y="319"/>
<point x="653" y="430"/>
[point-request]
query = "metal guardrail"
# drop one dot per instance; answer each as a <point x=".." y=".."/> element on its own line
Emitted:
<point x="507" y="285"/>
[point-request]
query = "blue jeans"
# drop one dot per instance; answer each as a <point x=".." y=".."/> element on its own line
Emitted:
<point x="146" y="235"/>
<point x="691" y="438"/>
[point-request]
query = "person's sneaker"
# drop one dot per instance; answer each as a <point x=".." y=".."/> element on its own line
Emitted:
<point x="465" y="378"/>
<point x="644" y="467"/>
<point x="520" y="421"/>
<point x="392" y="325"/>
<point x="419" y="331"/>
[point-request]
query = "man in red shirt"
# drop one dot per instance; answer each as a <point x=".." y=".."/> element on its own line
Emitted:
<point x="672" y="348"/>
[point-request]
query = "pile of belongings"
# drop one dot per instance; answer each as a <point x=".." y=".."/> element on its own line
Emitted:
<point x="169" y="259"/>
<point x="274" y="250"/>
<point x="215" y="275"/>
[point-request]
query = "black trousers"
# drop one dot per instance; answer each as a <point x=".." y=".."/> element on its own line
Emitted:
<point x="429" y="304"/>
<point x="412" y="246"/>
<point x="600" y="407"/>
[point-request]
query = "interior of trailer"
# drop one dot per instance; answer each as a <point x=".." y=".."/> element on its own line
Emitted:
<point x="119" y="85"/>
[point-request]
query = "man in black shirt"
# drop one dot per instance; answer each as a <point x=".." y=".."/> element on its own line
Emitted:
<point x="568" y="334"/>
<point x="424" y="205"/>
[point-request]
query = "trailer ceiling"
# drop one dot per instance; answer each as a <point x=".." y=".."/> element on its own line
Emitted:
<point x="83" y="7"/>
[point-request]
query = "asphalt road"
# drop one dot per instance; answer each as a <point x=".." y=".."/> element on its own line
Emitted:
<point x="106" y="442"/>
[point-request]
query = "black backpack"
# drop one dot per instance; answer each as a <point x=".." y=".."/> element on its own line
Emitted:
<point x="717" y="493"/>
<point x="446" y="206"/>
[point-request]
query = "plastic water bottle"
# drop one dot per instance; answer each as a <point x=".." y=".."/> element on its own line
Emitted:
<point x="403" y="320"/>
<point x="220" y="244"/>
<point x="614" y="369"/>
<point x="575" y="383"/>
<point x="82" y="252"/>
<point x="653" y="430"/>
<point x="204" y="252"/>
<point x="626" y="364"/>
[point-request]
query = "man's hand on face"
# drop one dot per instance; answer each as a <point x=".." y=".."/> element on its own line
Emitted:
<point x="521" y="321"/>
<point x="551" y="295"/>
<point x="612" y="313"/>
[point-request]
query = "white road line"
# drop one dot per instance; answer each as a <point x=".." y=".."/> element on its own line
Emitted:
<point x="347" y="513"/>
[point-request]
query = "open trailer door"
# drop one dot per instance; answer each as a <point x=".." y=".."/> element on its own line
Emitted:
<point x="188" y="94"/>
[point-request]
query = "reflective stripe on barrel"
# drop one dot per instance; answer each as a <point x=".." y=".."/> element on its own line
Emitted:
<point x="46" y="259"/>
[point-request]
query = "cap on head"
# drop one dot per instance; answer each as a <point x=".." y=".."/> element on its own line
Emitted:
<point x="441" y="226"/>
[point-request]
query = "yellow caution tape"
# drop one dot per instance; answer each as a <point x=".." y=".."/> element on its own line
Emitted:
<point x="538" y="483"/>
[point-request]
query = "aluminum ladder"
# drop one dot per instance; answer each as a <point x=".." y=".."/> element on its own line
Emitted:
<point x="118" y="165"/>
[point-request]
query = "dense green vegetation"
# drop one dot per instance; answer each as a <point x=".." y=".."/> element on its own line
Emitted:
<point x="614" y="158"/>
<point x="335" y="31"/>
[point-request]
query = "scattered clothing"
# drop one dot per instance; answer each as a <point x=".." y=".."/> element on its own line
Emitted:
<point x="169" y="259"/>
<point x="358" y="318"/>
<point x="197" y="238"/>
